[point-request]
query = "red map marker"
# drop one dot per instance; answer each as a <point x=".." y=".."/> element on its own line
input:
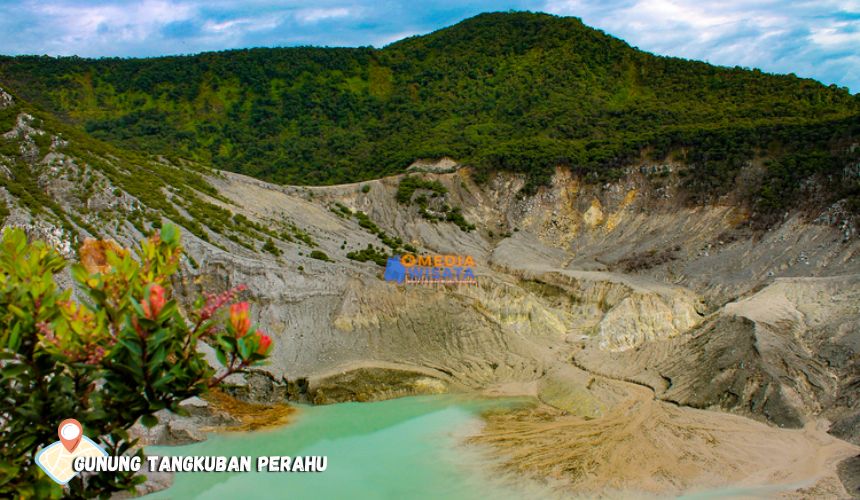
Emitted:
<point x="70" y="431"/>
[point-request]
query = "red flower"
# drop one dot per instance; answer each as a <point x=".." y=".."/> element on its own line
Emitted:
<point x="153" y="306"/>
<point x="240" y="318"/>
<point x="265" y="343"/>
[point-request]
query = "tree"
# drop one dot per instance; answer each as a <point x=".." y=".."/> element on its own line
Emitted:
<point x="125" y="352"/>
<point x="269" y="246"/>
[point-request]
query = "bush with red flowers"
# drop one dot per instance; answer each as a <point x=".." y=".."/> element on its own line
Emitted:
<point x="124" y="352"/>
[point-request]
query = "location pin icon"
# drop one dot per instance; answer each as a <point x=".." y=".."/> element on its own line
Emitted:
<point x="70" y="431"/>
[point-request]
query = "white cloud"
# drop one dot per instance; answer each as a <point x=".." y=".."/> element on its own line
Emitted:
<point x="243" y="24"/>
<point x="779" y="36"/>
<point x="834" y="37"/>
<point x="316" y="15"/>
<point x="75" y="23"/>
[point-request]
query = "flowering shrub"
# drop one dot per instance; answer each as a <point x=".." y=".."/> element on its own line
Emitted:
<point x="118" y="356"/>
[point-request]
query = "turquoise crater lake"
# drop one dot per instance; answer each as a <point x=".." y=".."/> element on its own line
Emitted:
<point x="403" y="448"/>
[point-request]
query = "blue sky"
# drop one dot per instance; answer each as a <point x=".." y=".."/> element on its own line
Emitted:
<point x="818" y="39"/>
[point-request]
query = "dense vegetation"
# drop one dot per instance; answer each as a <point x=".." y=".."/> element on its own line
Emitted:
<point x="370" y="253"/>
<point x="517" y="91"/>
<point x="119" y="356"/>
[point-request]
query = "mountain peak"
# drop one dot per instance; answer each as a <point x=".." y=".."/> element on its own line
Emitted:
<point x="513" y="30"/>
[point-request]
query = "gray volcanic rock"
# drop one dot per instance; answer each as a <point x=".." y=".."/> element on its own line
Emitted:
<point x="849" y="474"/>
<point x="374" y="384"/>
<point x="172" y="429"/>
<point x="577" y="269"/>
<point x="787" y="353"/>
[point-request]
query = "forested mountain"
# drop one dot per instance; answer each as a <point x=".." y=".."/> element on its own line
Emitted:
<point x="513" y="91"/>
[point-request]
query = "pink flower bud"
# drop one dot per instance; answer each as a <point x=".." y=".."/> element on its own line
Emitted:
<point x="265" y="343"/>
<point x="152" y="307"/>
<point x="240" y="318"/>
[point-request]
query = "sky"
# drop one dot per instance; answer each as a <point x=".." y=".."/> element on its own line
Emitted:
<point x="818" y="39"/>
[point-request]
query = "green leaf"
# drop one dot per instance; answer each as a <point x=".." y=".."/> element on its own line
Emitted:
<point x="222" y="358"/>
<point x="163" y="381"/>
<point x="157" y="359"/>
<point x="245" y="348"/>
<point x="121" y="434"/>
<point x="227" y="344"/>
<point x="138" y="310"/>
<point x="149" y="421"/>
<point x="155" y="340"/>
<point x="10" y="371"/>
<point x="18" y="311"/>
<point x="79" y="273"/>
<point x="127" y="370"/>
<point x="168" y="310"/>
<point x="169" y="233"/>
<point x="15" y="338"/>
<point x="131" y="346"/>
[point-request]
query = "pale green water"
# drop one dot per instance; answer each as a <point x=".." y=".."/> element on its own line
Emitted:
<point x="403" y="448"/>
<point x="408" y="448"/>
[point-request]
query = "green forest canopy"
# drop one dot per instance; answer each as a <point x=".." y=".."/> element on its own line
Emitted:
<point x="515" y="91"/>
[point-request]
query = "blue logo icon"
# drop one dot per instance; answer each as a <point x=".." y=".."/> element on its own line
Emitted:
<point x="394" y="270"/>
